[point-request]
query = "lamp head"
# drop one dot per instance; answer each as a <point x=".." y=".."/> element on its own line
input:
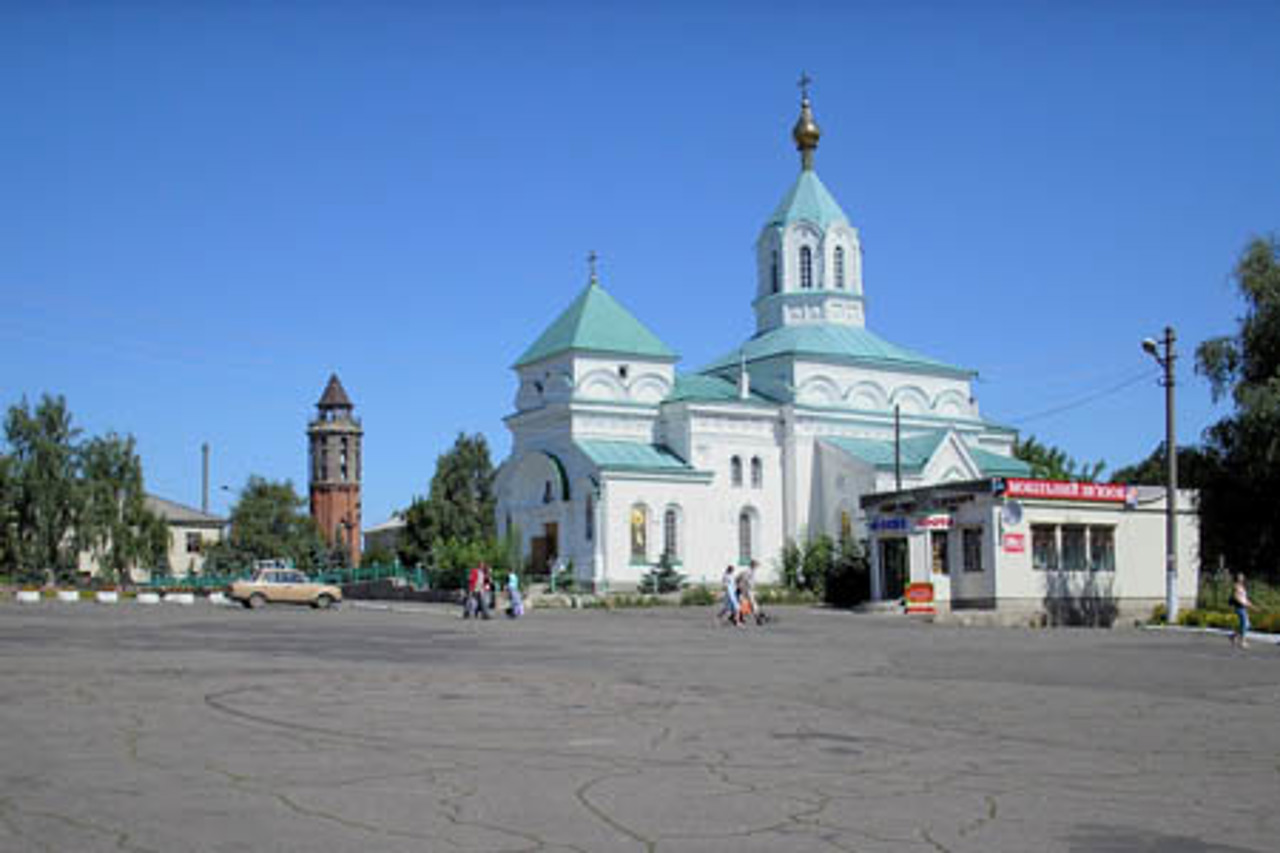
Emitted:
<point x="1149" y="346"/>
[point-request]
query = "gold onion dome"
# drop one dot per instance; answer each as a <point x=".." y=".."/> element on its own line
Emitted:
<point x="806" y="133"/>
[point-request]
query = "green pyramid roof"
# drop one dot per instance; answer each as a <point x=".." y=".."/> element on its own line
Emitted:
<point x="810" y="201"/>
<point x="830" y="342"/>
<point x="596" y="322"/>
<point x="914" y="452"/>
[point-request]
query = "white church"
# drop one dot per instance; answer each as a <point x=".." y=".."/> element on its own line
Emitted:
<point x="618" y="459"/>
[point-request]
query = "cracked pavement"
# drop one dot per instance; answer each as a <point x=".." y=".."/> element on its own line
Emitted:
<point x="217" y="729"/>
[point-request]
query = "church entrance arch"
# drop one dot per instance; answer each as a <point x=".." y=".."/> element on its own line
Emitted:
<point x="540" y="503"/>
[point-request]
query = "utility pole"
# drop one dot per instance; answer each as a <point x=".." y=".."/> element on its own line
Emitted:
<point x="897" y="448"/>
<point x="1166" y="360"/>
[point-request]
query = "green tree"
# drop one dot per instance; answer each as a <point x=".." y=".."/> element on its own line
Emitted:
<point x="8" y="516"/>
<point x="43" y="487"/>
<point x="459" y="507"/>
<point x="1244" y="447"/>
<point x="1053" y="463"/>
<point x="662" y="577"/>
<point x="270" y="521"/>
<point x="114" y="522"/>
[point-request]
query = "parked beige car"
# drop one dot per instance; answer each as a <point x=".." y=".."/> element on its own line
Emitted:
<point x="284" y="586"/>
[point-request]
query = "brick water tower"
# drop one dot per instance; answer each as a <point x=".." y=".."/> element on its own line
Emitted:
<point x="335" y="437"/>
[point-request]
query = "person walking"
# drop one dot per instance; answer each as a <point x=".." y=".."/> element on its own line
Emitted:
<point x="747" y="593"/>
<point x="1240" y="601"/>
<point x="477" y="592"/>
<point x="515" y="607"/>
<point x="729" y="607"/>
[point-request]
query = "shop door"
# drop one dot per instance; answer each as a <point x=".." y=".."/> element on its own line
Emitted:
<point x="893" y="562"/>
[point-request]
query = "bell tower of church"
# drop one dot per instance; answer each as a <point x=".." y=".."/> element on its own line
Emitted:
<point x="335" y="437"/>
<point x="808" y="255"/>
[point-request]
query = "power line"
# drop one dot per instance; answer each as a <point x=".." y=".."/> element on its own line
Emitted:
<point x="1089" y="398"/>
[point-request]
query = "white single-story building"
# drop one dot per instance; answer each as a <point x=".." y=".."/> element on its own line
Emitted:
<point x="1071" y="552"/>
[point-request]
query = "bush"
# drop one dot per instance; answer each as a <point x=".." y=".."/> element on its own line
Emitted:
<point x="839" y="574"/>
<point x="1267" y="623"/>
<point x="783" y="595"/>
<point x="623" y="600"/>
<point x="697" y="596"/>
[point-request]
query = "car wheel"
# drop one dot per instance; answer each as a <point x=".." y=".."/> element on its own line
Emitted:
<point x="324" y="601"/>
<point x="257" y="600"/>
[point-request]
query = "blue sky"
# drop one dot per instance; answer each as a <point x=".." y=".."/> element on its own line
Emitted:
<point x="207" y="208"/>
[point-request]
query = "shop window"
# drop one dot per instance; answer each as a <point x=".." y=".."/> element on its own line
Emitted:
<point x="757" y="472"/>
<point x="735" y="471"/>
<point x="938" y="547"/>
<point x="639" y="539"/>
<point x="972" y="541"/>
<point x="1044" y="547"/>
<point x="1074" y="552"/>
<point x="1102" y="549"/>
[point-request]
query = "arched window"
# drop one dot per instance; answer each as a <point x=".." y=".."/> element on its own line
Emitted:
<point x="670" y="534"/>
<point x="639" y="539"/>
<point x="591" y="518"/>
<point x="839" y="264"/>
<point x="806" y="267"/>
<point x="846" y="527"/>
<point x="745" y="535"/>
<point x="773" y="272"/>
<point x="757" y="472"/>
<point x="735" y="471"/>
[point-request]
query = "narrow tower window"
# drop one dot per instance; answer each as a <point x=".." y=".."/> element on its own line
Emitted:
<point x="670" y="530"/>
<point x="590" y="519"/>
<point x="757" y="472"/>
<point x="735" y="471"/>
<point x="773" y="272"/>
<point x="806" y="268"/>
<point x="744" y="537"/>
<point x="839" y="264"/>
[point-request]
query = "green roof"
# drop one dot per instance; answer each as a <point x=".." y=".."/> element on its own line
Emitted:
<point x="915" y="451"/>
<point x="997" y="465"/>
<point x="810" y="201"/>
<point x="596" y="322"/>
<point x="697" y="387"/>
<point x="631" y="456"/>
<point x="832" y="341"/>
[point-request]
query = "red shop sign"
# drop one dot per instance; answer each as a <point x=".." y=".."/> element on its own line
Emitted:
<point x="1062" y="490"/>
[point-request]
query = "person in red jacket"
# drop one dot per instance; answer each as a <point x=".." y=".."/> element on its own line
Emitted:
<point x="478" y="592"/>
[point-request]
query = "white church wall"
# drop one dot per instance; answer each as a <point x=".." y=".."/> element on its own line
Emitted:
<point x="839" y="482"/>
<point x="950" y="464"/>
<point x="622" y="379"/>
<point x="848" y="386"/>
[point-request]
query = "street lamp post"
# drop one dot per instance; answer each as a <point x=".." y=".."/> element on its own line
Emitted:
<point x="1166" y="360"/>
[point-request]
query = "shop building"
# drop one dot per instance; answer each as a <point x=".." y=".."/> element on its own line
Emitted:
<point x="1030" y="550"/>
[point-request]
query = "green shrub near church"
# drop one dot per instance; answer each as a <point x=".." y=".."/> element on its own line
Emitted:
<point x="838" y="574"/>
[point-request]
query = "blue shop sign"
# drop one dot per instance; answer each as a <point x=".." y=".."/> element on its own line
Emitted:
<point x="890" y="525"/>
